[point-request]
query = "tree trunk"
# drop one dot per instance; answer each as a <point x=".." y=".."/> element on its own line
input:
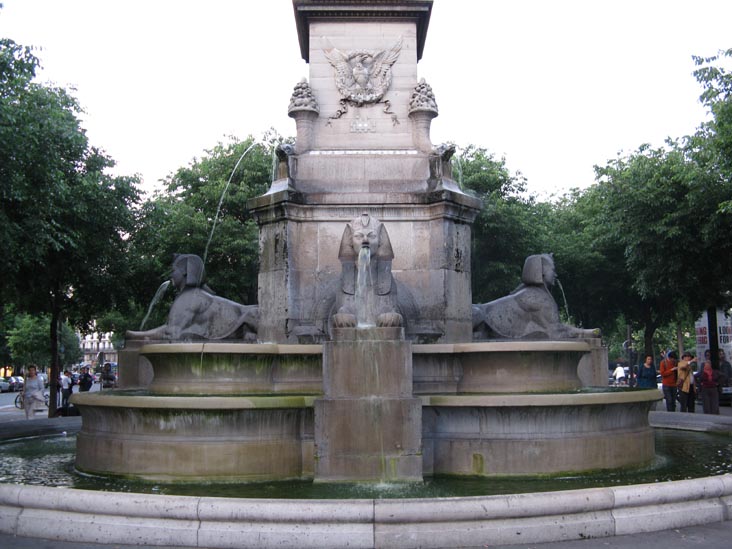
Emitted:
<point x="55" y="360"/>
<point x="649" y="329"/>
<point x="713" y="336"/>
<point x="679" y="340"/>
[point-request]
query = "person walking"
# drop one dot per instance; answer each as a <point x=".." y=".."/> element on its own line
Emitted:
<point x="67" y="385"/>
<point x="85" y="380"/>
<point x="619" y="375"/>
<point x="32" y="393"/>
<point x="709" y="392"/>
<point x="647" y="374"/>
<point x="668" y="369"/>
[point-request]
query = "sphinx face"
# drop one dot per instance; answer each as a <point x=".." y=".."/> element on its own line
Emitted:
<point x="178" y="275"/>
<point x="365" y="238"/>
<point x="548" y="272"/>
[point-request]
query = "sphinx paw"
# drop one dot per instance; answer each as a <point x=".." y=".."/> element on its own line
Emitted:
<point x="344" y="320"/>
<point x="389" y="320"/>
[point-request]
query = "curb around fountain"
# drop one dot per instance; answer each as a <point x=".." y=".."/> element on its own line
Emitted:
<point x="185" y="521"/>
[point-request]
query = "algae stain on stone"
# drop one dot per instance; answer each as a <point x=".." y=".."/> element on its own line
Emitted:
<point x="478" y="464"/>
<point x="393" y="463"/>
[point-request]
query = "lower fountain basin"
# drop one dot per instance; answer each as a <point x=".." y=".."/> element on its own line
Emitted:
<point x="173" y="438"/>
<point x="256" y="438"/>
<point x="528" y="434"/>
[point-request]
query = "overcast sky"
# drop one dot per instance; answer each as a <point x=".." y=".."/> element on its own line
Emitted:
<point x="555" y="86"/>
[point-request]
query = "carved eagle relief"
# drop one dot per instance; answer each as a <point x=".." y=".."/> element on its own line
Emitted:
<point x="362" y="76"/>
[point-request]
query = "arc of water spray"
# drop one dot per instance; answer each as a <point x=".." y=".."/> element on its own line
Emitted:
<point x="164" y="286"/>
<point x="221" y="200"/>
<point x="158" y="294"/>
<point x="564" y="296"/>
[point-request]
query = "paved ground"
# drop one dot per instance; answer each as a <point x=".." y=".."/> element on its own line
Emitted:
<point x="710" y="536"/>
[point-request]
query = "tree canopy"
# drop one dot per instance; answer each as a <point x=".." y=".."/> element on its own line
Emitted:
<point x="65" y="221"/>
<point x="506" y="230"/>
<point x="203" y="211"/>
<point x="28" y="342"/>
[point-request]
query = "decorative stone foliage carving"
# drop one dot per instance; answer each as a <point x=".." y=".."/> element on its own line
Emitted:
<point x="423" y="99"/>
<point x="303" y="99"/>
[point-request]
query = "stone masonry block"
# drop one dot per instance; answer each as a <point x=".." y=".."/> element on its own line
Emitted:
<point x="367" y="368"/>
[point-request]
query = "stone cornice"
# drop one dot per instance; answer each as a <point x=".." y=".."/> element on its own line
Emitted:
<point x="387" y="207"/>
<point x="360" y="10"/>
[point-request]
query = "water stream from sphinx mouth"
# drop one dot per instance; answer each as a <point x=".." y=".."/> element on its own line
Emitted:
<point x="364" y="290"/>
<point x="221" y="201"/>
<point x="564" y="296"/>
<point x="158" y="295"/>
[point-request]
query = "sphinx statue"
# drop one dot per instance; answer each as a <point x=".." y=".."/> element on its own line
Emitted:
<point x="197" y="313"/>
<point x="529" y="312"/>
<point x="368" y="291"/>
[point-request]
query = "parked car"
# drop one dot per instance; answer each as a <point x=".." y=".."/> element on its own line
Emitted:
<point x="4" y="386"/>
<point x="19" y="383"/>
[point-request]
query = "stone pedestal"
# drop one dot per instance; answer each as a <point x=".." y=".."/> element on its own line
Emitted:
<point x="134" y="369"/>
<point x="360" y="150"/>
<point x="299" y="270"/>
<point x="368" y="426"/>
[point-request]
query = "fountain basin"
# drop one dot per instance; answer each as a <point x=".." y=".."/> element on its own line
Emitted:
<point x="184" y="521"/>
<point x="245" y="412"/>
<point x="270" y="368"/>
<point x="253" y="438"/>
<point x="508" y="366"/>
<point x="234" y="368"/>
<point x="529" y="434"/>
<point x="196" y="438"/>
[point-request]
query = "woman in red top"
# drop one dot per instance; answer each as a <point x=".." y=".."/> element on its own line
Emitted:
<point x="709" y="392"/>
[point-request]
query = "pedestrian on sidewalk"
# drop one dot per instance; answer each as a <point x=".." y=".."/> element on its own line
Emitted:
<point x="647" y="374"/>
<point x="85" y="380"/>
<point x="32" y="392"/>
<point x="685" y="382"/>
<point x="668" y="369"/>
<point x="67" y="385"/>
<point x="709" y="391"/>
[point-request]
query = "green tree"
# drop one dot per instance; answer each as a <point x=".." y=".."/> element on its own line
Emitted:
<point x="507" y="228"/>
<point x="662" y="207"/>
<point x="715" y="153"/>
<point x="590" y="266"/>
<point x="29" y="344"/>
<point x="181" y="220"/>
<point x="64" y="220"/>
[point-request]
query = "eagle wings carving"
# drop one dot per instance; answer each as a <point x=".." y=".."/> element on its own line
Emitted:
<point x="362" y="76"/>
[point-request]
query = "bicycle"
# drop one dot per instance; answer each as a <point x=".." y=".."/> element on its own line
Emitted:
<point x="19" y="400"/>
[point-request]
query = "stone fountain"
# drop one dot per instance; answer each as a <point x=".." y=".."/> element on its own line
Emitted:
<point x="365" y="359"/>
